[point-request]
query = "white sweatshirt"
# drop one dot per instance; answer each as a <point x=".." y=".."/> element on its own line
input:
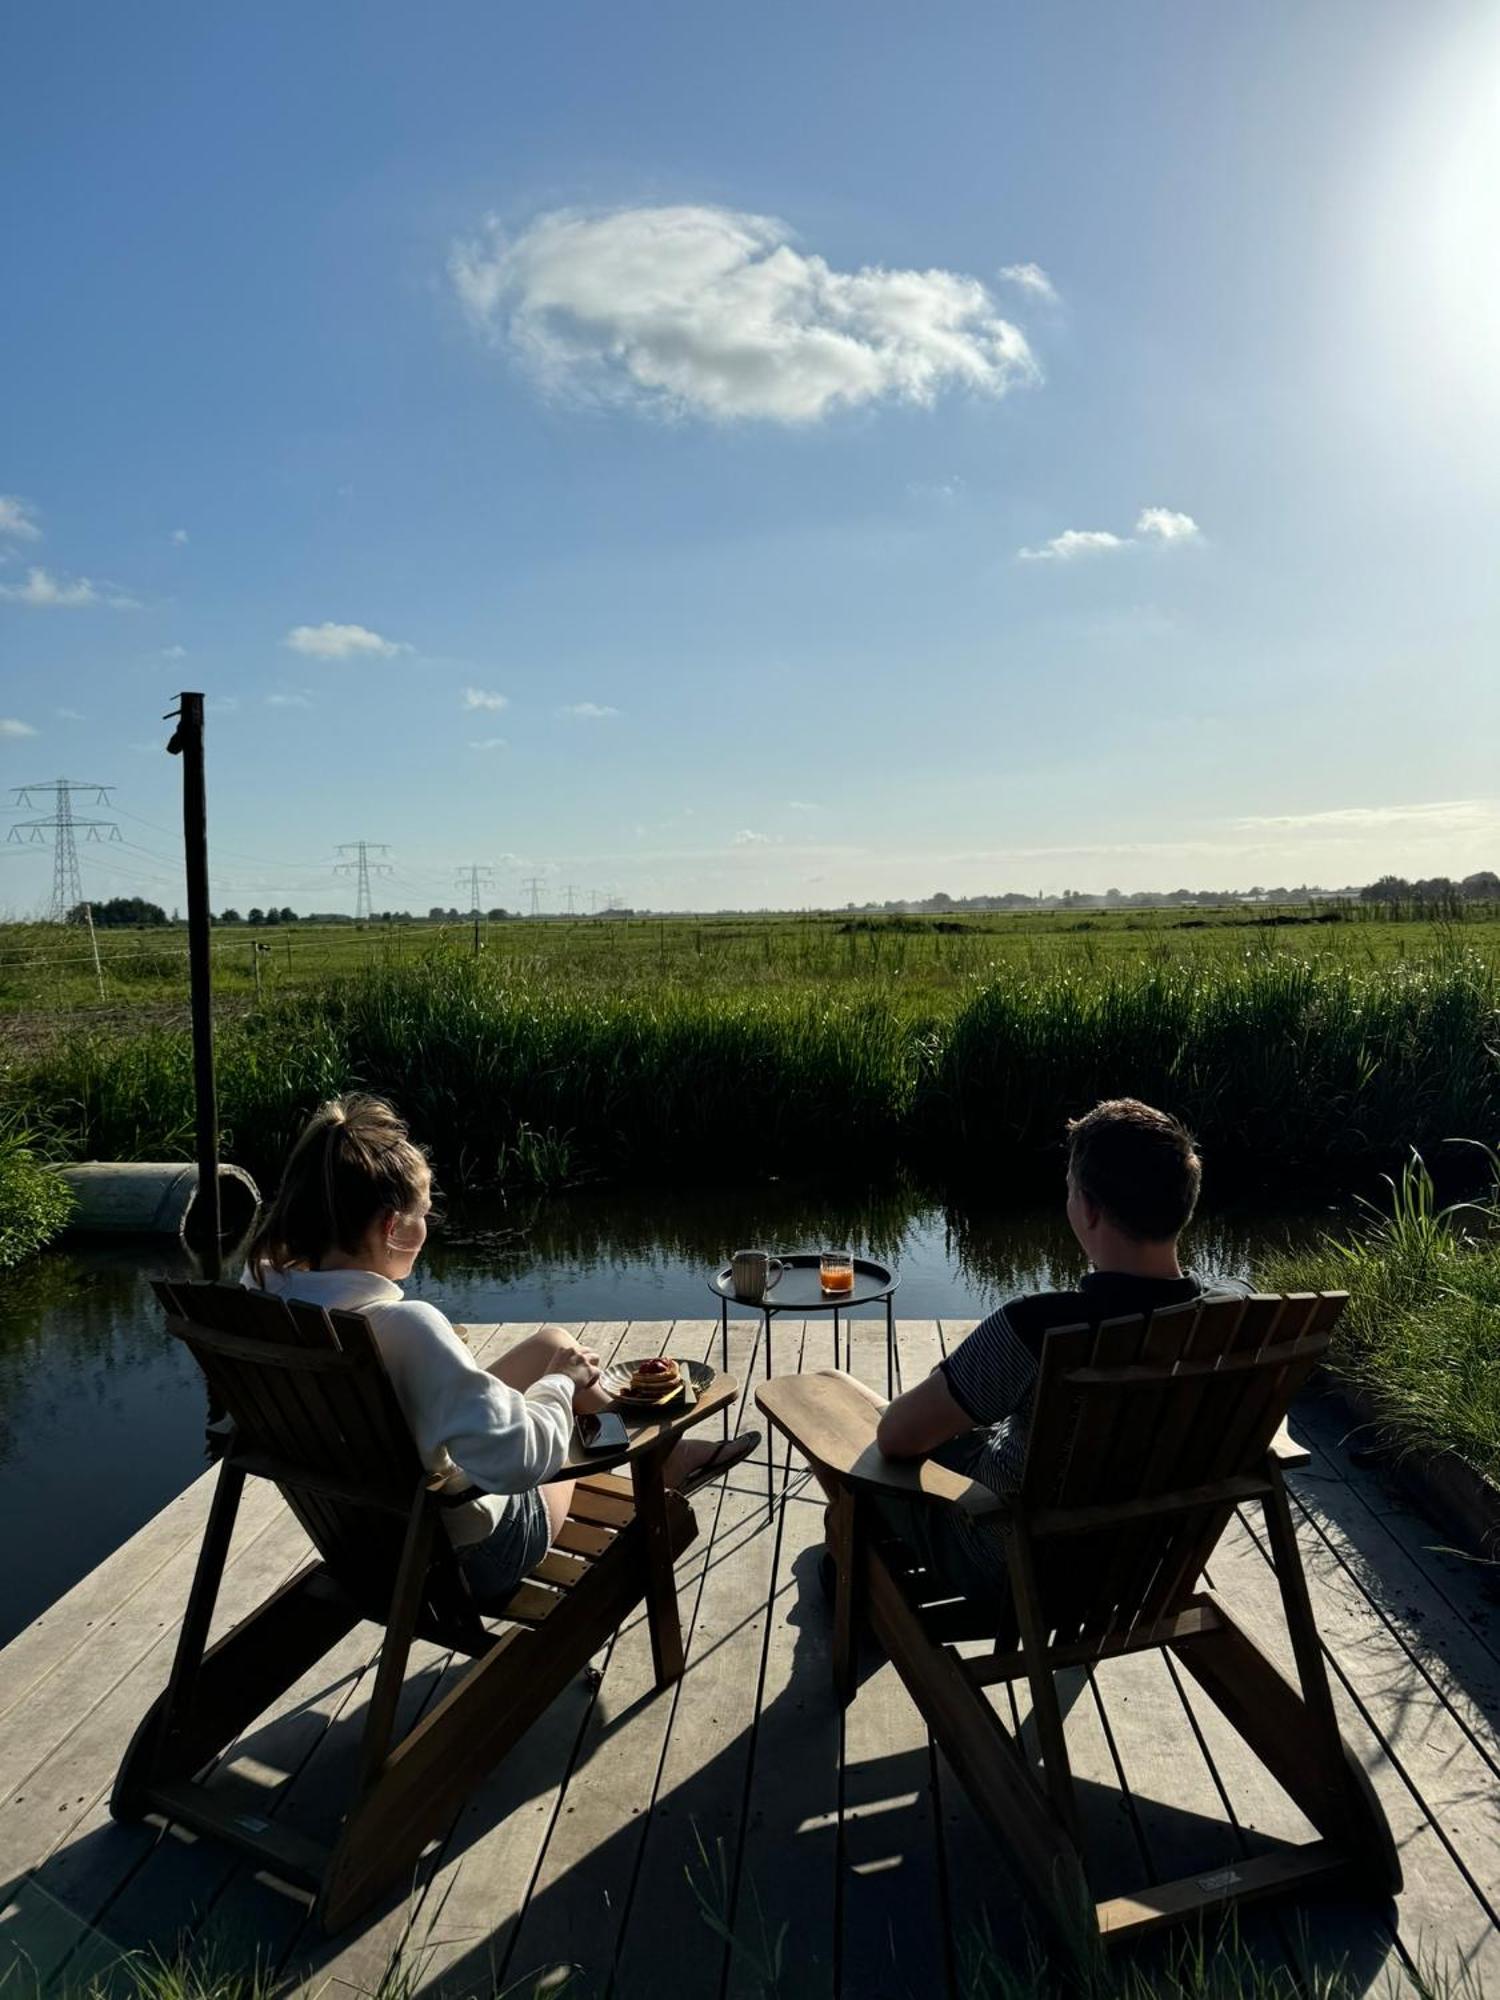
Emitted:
<point x="469" y="1427"/>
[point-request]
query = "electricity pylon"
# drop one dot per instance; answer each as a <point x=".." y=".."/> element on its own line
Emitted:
<point x="67" y="889"/>
<point x="534" y="884"/>
<point x="476" y="875"/>
<point x="362" y="868"/>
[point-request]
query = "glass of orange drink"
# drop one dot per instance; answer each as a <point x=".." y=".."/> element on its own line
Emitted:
<point x="836" y="1271"/>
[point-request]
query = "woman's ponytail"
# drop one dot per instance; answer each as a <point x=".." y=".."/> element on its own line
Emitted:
<point x="355" y="1161"/>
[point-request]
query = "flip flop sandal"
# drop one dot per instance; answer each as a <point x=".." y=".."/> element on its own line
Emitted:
<point x="724" y="1457"/>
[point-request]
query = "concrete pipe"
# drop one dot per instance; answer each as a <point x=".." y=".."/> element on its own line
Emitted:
<point x="154" y="1198"/>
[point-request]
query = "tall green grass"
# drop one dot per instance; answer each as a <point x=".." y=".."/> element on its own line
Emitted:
<point x="1421" y="1332"/>
<point x="34" y="1202"/>
<point x="1279" y="1061"/>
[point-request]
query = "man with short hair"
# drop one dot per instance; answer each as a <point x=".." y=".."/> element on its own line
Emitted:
<point x="1133" y="1178"/>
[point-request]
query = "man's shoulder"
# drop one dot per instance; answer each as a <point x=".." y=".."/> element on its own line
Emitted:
<point x="1033" y="1315"/>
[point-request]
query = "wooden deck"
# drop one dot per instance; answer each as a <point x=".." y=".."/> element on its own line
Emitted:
<point x="848" y="1828"/>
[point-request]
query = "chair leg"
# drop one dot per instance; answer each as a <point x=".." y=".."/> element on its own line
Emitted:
<point x="1318" y="1771"/>
<point x="232" y="1683"/>
<point x="1044" y="1704"/>
<point x="434" y="1768"/>
<point x="985" y="1757"/>
<point x="845" y="1540"/>
<point x="395" y="1650"/>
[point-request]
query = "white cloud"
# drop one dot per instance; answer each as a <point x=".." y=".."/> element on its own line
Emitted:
<point x="68" y="714"/>
<point x="587" y="711"/>
<point x="711" y="312"/>
<point x="46" y="592"/>
<point x="482" y="698"/>
<point x="293" y="700"/>
<point x="179" y="537"/>
<point x="746" y="838"/>
<point x="490" y="743"/>
<point x="10" y="727"/>
<point x="174" y="652"/>
<point x="1073" y="542"/>
<point x="18" y="519"/>
<point x="341" y="642"/>
<point x="1162" y="524"/>
<point x="1443" y="815"/>
<point x="1153" y="524"/>
<point x="1031" y="279"/>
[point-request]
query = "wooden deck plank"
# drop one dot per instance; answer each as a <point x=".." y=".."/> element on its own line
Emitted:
<point x="55" y="1828"/>
<point x="57" y="1702"/>
<point x="698" y="1807"/>
<point x="46" y="1806"/>
<point x="1382" y="1521"/>
<point x="893" y="1930"/>
<point x="72" y="1621"/>
<point x="571" y="1915"/>
<point x="1437" y="1903"/>
<point x="1447" y="1642"/>
<point x="788" y="1862"/>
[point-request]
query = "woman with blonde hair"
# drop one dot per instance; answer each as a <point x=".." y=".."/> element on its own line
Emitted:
<point x="347" y="1225"/>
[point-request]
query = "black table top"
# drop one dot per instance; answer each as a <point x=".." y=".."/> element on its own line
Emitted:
<point x="798" y="1288"/>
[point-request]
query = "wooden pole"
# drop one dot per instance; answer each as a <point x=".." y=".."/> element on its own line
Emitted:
<point x="88" y="911"/>
<point x="187" y="743"/>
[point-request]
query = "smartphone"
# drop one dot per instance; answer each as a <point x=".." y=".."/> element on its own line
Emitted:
<point x="606" y="1432"/>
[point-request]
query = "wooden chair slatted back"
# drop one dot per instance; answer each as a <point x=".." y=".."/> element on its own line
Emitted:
<point x="318" y="1402"/>
<point x="1140" y="1409"/>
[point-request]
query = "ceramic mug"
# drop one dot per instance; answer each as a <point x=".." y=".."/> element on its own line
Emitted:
<point x="753" y="1273"/>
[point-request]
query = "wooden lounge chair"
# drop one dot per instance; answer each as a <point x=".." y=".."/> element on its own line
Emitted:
<point x="314" y="1411"/>
<point x="1145" y="1436"/>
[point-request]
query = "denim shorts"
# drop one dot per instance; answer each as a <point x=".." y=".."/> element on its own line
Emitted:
<point x="516" y="1544"/>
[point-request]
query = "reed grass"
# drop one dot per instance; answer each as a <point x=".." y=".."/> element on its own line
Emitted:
<point x="1421" y="1332"/>
<point x="1282" y="1063"/>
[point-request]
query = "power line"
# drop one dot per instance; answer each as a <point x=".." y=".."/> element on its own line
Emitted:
<point x="362" y="867"/>
<point x="67" y="889"/>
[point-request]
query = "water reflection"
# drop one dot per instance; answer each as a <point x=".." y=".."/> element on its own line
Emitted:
<point x="102" y="1412"/>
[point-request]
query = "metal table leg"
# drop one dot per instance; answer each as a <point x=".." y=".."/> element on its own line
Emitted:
<point x="890" y="1350"/>
<point x="724" y="1351"/>
<point x="770" y="1434"/>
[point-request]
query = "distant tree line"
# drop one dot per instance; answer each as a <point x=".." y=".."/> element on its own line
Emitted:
<point x="1481" y="887"/>
<point x="118" y="912"/>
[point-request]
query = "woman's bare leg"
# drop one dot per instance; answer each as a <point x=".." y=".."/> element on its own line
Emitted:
<point x="535" y="1356"/>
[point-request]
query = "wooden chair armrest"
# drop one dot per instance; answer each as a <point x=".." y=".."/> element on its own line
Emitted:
<point x="1285" y="1452"/>
<point x="831" y="1419"/>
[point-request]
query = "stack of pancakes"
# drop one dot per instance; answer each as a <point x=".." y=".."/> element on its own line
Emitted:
<point x="655" y="1380"/>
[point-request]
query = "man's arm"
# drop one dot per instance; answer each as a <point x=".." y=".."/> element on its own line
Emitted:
<point x="921" y="1419"/>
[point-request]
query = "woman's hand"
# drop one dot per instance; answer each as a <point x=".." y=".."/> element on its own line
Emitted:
<point x="582" y="1370"/>
<point x="590" y="1401"/>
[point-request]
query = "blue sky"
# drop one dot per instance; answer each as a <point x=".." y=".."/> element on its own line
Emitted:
<point x="601" y="442"/>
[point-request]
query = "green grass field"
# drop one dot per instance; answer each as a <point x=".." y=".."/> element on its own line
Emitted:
<point x="46" y="969"/>
<point x="827" y="1045"/>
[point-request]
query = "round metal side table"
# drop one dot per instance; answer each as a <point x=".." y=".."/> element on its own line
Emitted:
<point x="799" y="1292"/>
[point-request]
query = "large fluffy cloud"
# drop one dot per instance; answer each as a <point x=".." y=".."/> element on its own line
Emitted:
<point x="712" y="312"/>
